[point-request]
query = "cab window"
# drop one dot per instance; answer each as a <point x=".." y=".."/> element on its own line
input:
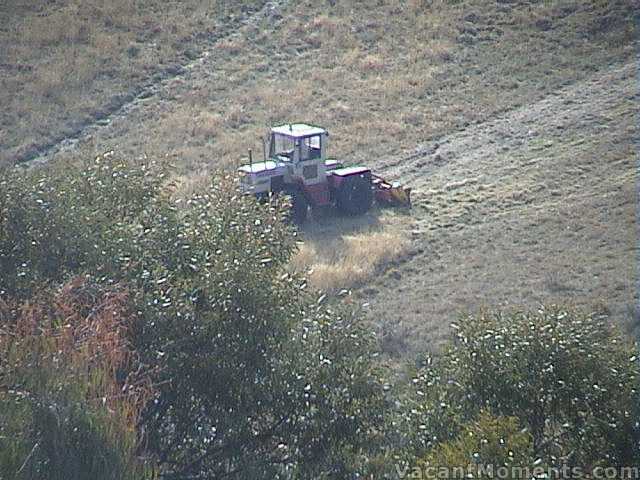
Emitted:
<point x="282" y="146"/>
<point x="310" y="148"/>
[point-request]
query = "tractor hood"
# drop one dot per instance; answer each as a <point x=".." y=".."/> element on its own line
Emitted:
<point x="263" y="168"/>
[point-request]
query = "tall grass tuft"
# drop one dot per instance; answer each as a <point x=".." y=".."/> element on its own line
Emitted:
<point x="69" y="392"/>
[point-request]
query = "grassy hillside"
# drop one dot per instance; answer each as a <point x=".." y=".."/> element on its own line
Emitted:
<point x="392" y="78"/>
<point x="535" y="206"/>
<point x="383" y="76"/>
<point x="63" y="63"/>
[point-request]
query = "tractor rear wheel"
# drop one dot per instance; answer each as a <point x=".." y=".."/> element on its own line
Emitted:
<point x="299" y="206"/>
<point x="355" y="194"/>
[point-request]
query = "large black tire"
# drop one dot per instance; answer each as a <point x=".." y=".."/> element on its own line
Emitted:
<point x="299" y="207"/>
<point x="355" y="194"/>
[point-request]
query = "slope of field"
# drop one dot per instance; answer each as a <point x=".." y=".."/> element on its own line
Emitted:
<point x="535" y="206"/>
<point x="513" y="121"/>
<point x="68" y="63"/>
<point x="382" y="76"/>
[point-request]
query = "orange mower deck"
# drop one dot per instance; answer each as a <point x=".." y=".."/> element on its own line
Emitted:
<point x="390" y="193"/>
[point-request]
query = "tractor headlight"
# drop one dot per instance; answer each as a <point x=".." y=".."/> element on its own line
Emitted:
<point x="245" y="181"/>
<point x="244" y="177"/>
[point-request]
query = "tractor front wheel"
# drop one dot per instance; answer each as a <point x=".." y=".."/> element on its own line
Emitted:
<point x="355" y="195"/>
<point x="299" y="207"/>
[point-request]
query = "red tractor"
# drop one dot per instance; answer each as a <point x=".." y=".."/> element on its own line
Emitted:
<point x="296" y="164"/>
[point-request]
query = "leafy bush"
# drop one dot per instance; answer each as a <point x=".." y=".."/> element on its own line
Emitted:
<point x="59" y="221"/>
<point x="181" y="338"/>
<point x="484" y="445"/>
<point x="258" y="378"/>
<point x="253" y="376"/>
<point x="568" y="377"/>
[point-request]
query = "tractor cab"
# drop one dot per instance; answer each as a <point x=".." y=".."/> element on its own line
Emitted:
<point x="301" y="149"/>
<point x="297" y="142"/>
<point x="294" y="157"/>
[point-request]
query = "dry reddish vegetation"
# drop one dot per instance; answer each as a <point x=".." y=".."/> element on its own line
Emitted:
<point x="79" y="335"/>
<point x="71" y="380"/>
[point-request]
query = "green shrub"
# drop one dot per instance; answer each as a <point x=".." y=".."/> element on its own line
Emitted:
<point x="254" y="377"/>
<point x="483" y="446"/>
<point x="569" y="378"/>
<point x="59" y="221"/>
<point x="258" y="379"/>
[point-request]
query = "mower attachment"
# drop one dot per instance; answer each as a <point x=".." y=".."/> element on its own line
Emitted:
<point x="392" y="194"/>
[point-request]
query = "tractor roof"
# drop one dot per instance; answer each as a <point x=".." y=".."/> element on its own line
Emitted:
<point x="298" y="130"/>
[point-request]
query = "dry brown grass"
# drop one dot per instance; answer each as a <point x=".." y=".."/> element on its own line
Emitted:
<point x="341" y="253"/>
<point x="381" y="75"/>
<point x="60" y="62"/>
<point x="378" y="74"/>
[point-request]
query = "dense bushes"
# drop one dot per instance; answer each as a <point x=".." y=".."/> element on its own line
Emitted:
<point x="252" y="376"/>
<point x="57" y="222"/>
<point x="569" y="378"/>
<point x="148" y="336"/>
